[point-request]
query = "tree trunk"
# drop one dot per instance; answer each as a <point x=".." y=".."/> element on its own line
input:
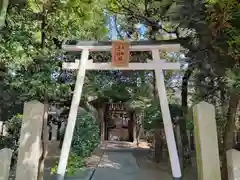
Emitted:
<point x="2" y="76"/>
<point x="230" y="126"/>
<point x="3" y="10"/>
<point x="158" y="145"/>
<point x="45" y="132"/>
<point x="101" y="112"/>
<point x="182" y="122"/>
<point x="44" y="143"/>
<point x="179" y="144"/>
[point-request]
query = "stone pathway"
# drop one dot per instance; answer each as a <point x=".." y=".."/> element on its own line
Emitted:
<point x="125" y="161"/>
<point x="152" y="170"/>
<point x="118" y="166"/>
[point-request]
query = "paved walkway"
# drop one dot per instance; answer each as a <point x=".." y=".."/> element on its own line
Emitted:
<point x="118" y="166"/>
<point x="125" y="161"/>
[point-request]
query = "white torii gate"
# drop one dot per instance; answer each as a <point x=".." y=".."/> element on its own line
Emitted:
<point x="157" y="64"/>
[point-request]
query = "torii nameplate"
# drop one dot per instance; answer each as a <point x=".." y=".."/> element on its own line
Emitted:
<point x="120" y="53"/>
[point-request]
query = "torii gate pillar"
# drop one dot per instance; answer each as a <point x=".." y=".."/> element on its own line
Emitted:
<point x="156" y="64"/>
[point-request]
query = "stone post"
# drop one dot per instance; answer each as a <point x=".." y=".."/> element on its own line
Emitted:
<point x="189" y="140"/>
<point x="141" y="127"/>
<point x="3" y="131"/>
<point x="179" y="144"/>
<point x="158" y="145"/>
<point x="206" y="142"/>
<point x="103" y="125"/>
<point x="48" y="131"/>
<point x="54" y="132"/>
<point x="238" y="136"/>
<point x="102" y="130"/>
<point x="5" y="162"/>
<point x="235" y="137"/>
<point x="1" y="128"/>
<point x="30" y="141"/>
<point x="134" y="128"/>
<point x="233" y="164"/>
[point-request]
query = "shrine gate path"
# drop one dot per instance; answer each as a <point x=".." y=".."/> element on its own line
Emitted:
<point x="119" y="163"/>
<point x="156" y="63"/>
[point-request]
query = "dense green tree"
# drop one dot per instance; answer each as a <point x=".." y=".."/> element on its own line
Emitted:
<point x="30" y="49"/>
<point x="31" y="41"/>
<point x="209" y="30"/>
<point x="31" y="57"/>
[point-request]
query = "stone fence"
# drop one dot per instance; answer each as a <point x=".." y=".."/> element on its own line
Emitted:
<point x="30" y="143"/>
<point x="30" y="148"/>
<point x="53" y="130"/>
<point x="5" y="162"/>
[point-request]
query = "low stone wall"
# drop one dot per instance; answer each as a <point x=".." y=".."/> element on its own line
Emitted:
<point x="5" y="162"/>
<point x="233" y="164"/>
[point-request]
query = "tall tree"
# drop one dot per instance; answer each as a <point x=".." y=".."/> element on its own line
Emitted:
<point x="211" y="34"/>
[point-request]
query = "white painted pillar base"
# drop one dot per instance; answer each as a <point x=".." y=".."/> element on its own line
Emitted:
<point x="167" y="121"/>
<point x="72" y="116"/>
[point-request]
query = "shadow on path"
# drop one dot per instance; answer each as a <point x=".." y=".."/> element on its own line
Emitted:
<point x="118" y="166"/>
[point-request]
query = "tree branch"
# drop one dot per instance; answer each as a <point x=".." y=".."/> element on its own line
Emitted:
<point x="147" y="21"/>
<point x="118" y="31"/>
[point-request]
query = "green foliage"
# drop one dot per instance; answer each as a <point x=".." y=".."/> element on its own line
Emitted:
<point x="233" y="77"/>
<point x="30" y="31"/>
<point x="30" y="43"/>
<point x="3" y="11"/>
<point x="35" y="80"/>
<point x="75" y="162"/>
<point x="11" y="140"/>
<point x="85" y="139"/>
<point x="153" y="116"/>
<point x="223" y="16"/>
<point x="29" y="52"/>
<point x="86" y="135"/>
<point x="13" y="127"/>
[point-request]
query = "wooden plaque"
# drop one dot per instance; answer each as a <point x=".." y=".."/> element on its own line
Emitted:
<point x="120" y="53"/>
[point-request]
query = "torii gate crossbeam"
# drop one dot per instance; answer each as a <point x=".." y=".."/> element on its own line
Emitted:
<point x="157" y="64"/>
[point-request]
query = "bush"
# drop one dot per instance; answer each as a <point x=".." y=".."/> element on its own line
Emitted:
<point x="85" y="139"/>
<point x="86" y="135"/>
<point x="11" y="141"/>
<point x="75" y="162"/>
